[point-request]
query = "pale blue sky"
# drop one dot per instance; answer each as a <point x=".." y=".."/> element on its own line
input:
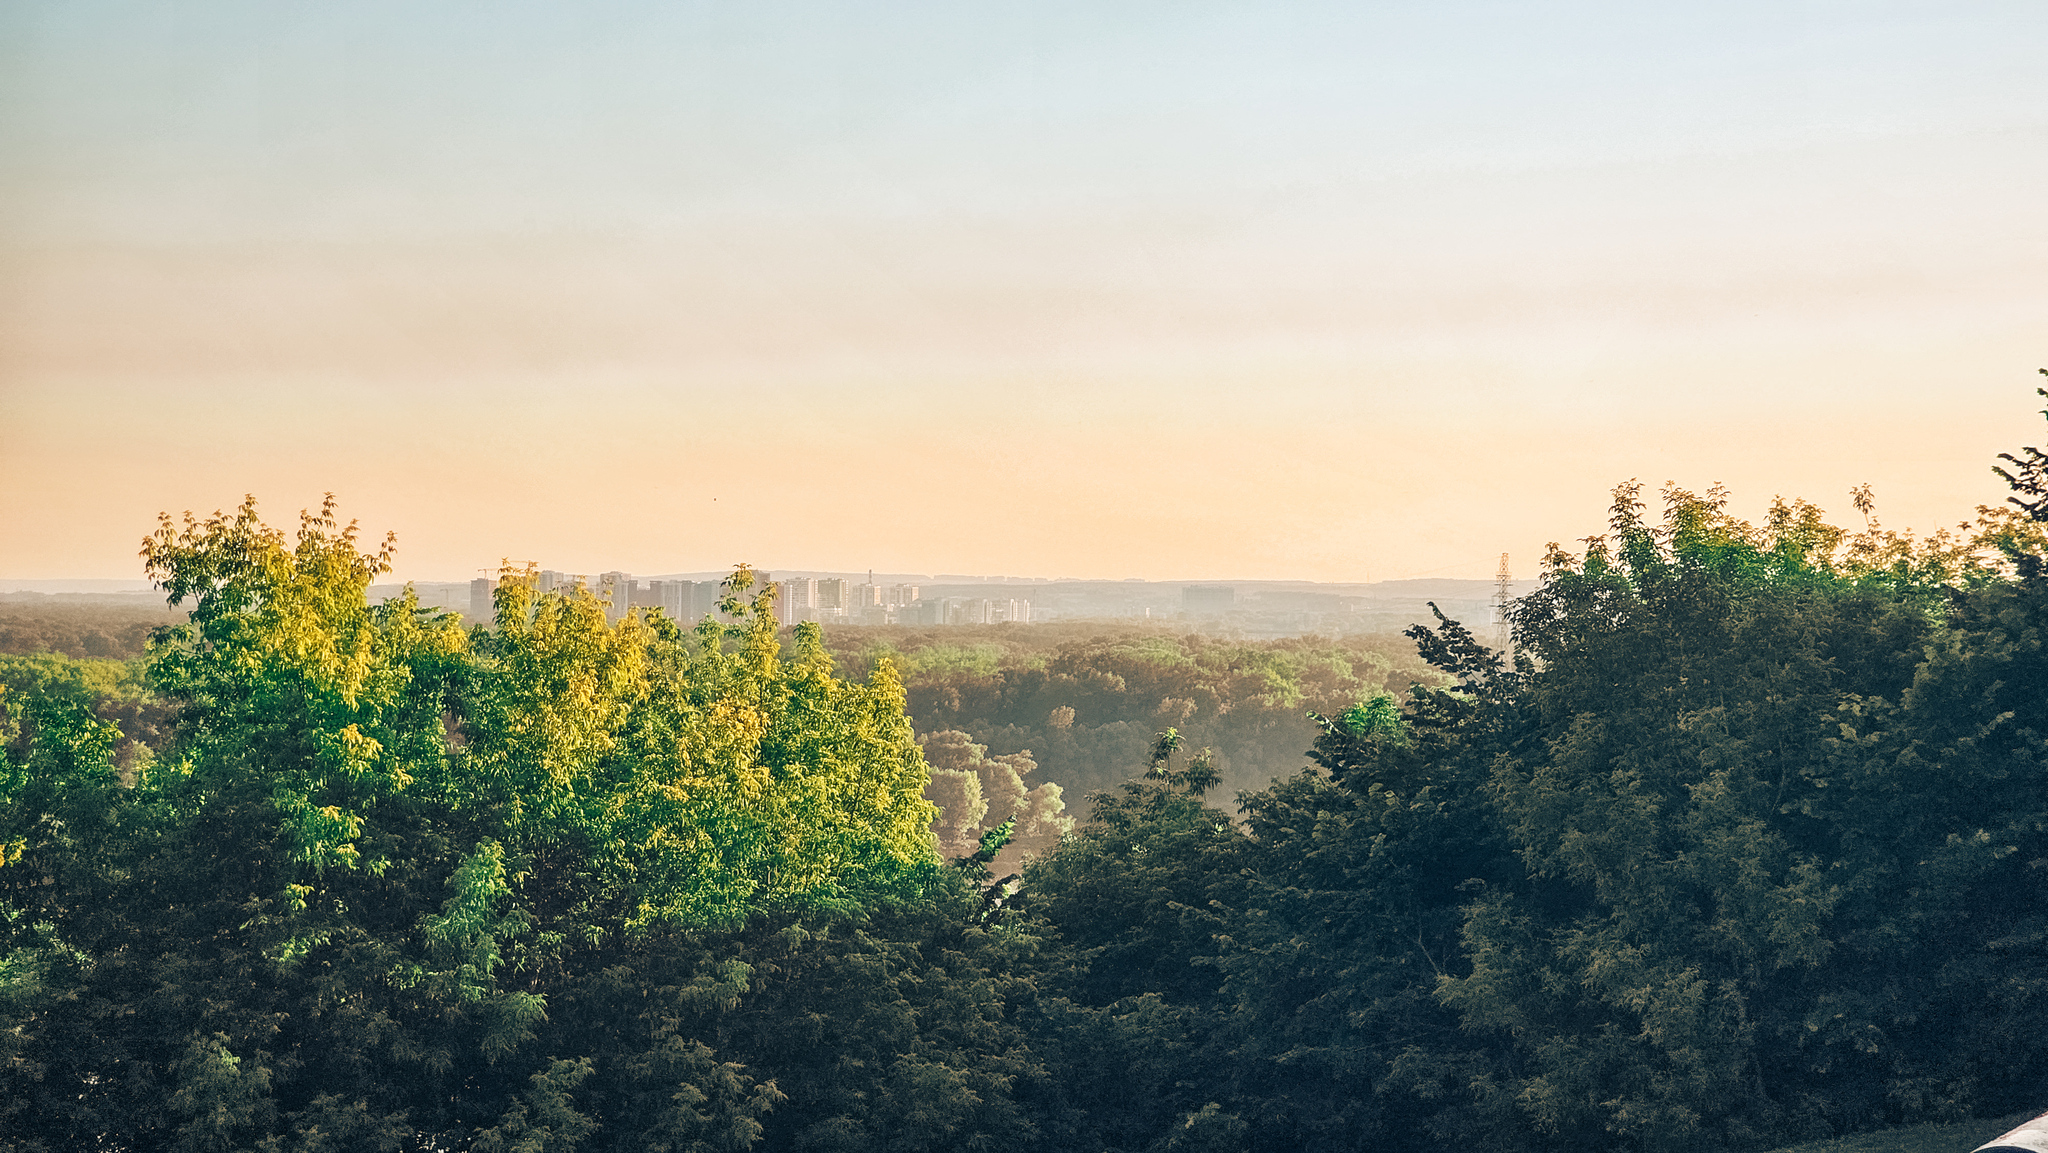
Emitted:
<point x="1129" y="289"/>
<point x="180" y="122"/>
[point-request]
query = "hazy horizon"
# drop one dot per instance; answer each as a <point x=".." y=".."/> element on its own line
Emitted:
<point x="125" y="586"/>
<point x="1309" y="291"/>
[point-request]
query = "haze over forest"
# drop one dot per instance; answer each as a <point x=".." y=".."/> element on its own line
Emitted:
<point x="1724" y="839"/>
<point x="1416" y="575"/>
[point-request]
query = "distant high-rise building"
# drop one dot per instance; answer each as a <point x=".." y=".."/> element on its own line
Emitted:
<point x="876" y="604"/>
<point x="885" y="596"/>
<point x="796" y="599"/>
<point x="1208" y="600"/>
<point x="707" y="594"/>
<point x="832" y="596"/>
<point x="969" y="611"/>
<point x="480" y="606"/>
<point x="615" y="589"/>
<point x="677" y="600"/>
<point x="803" y="591"/>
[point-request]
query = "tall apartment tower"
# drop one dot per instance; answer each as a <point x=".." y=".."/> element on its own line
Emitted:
<point x="707" y="600"/>
<point x="832" y="598"/>
<point x="796" y="599"/>
<point x="480" y="605"/>
<point x="615" y="589"/>
<point x="677" y="600"/>
<point x="872" y="595"/>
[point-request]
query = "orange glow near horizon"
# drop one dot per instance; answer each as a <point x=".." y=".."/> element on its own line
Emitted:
<point x="1201" y="298"/>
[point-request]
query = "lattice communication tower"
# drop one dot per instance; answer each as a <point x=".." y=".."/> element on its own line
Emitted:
<point x="1502" y="578"/>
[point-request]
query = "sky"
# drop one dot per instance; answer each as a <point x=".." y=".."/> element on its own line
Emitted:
<point x="1346" y="291"/>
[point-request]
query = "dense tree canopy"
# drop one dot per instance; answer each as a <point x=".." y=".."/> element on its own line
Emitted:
<point x="1736" y="847"/>
<point x="1086" y="700"/>
<point x="376" y="848"/>
<point x="1738" y="843"/>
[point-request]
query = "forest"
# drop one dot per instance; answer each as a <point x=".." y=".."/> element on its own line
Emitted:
<point x="1739" y="842"/>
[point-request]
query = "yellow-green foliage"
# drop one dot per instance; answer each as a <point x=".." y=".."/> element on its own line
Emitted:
<point x="705" y="775"/>
<point x="117" y="692"/>
<point x="393" y="883"/>
<point x="665" y="777"/>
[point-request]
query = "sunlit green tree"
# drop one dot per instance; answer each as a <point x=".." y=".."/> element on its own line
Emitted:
<point x="363" y="891"/>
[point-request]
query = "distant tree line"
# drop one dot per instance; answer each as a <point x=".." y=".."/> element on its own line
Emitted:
<point x="32" y="624"/>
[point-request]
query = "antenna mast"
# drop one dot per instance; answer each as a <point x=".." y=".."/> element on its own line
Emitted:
<point x="1502" y="578"/>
